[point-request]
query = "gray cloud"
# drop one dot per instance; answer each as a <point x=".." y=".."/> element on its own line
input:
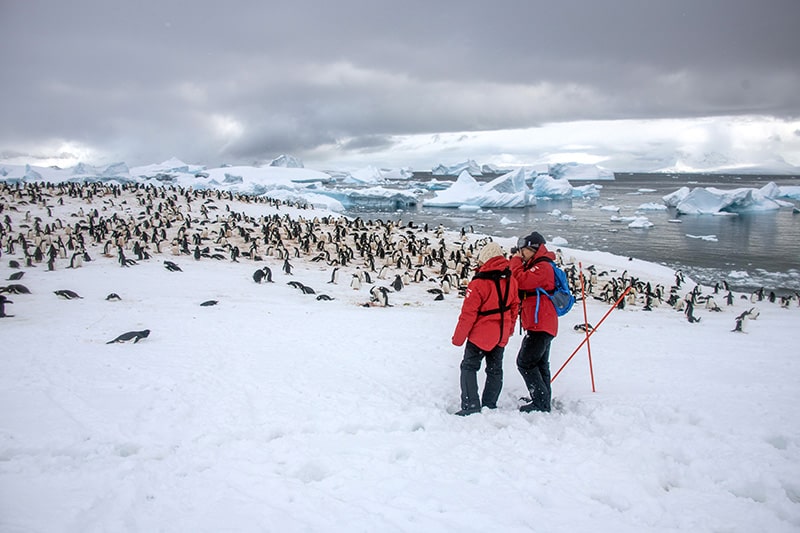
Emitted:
<point x="246" y="81"/>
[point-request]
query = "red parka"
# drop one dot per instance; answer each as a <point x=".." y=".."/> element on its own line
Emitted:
<point x="484" y="330"/>
<point x="529" y="277"/>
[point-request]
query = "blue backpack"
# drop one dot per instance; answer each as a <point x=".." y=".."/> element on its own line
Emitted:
<point x="561" y="297"/>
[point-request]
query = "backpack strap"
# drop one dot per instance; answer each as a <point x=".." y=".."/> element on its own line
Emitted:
<point x="502" y="297"/>
<point x="539" y="291"/>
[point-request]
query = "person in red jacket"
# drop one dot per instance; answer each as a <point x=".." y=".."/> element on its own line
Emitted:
<point x="531" y="267"/>
<point x="487" y="320"/>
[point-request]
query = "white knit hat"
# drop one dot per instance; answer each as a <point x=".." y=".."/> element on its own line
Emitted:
<point x="489" y="251"/>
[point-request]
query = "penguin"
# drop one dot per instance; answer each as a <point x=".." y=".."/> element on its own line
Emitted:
<point x="172" y="267"/>
<point x="690" y="312"/>
<point x="76" y="261"/>
<point x="334" y="275"/>
<point x="324" y="298"/>
<point x="287" y="267"/>
<point x="209" y="303"/>
<point x="3" y="302"/>
<point x="740" y="323"/>
<point x="397" y="284"/>
<point x="68" y="294"/>
<point x="380" y="296"/>
<point x="113" y="297"/>
<point x="262" y="274"/>
<point x="135" y="336"/>
<point x="355" y="282"/>
<point x="16" y="276"/>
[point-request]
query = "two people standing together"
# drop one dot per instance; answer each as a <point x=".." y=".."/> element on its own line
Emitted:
<point x="501" y="289"/>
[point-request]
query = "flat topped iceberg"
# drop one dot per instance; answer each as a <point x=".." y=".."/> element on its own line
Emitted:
<point x="710" y="200"/>
<point x="579" y="171"/>
<point x="170" y="166"/>
<point x="508" y="190"/>
<point x="370" y="198"/>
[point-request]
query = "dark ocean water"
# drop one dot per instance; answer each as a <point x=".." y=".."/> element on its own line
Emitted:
<point x="749" y="251"/>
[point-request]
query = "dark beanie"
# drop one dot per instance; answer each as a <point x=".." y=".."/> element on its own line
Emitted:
<point x="532" y="241"/>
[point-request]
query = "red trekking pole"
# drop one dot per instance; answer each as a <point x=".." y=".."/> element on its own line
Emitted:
<point x="589" y="334"/>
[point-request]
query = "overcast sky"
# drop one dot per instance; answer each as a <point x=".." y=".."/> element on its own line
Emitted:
<point x="408" y="83"/>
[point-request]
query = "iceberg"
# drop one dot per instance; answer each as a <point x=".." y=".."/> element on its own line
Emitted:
<point x="674" y="198"/>
<point x="371" y="198"/>
<point x="578" y="171"/>
<point x="652" y="207"/>
<point x="508" y="190"/>
<point x="455" y="170"/>
<point x="789" y="191"/>
<point x="170" y="166"/>
<point x="554" y="189"/>
<point x="286" y="161"/>
<point x="710" y="200"/>
<point x="586" y="191"/>
<point x="640" y="223"/>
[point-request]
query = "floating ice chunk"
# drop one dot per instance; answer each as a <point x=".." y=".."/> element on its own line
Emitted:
<point x="610" y="208"/>
<point x="653" y="207"/>
<point x="709" y="238"/>
<point x="640" y="222"/>
<point x="586" y="191"/>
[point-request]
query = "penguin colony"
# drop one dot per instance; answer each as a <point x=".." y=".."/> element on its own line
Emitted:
<point x="131" y="223"/>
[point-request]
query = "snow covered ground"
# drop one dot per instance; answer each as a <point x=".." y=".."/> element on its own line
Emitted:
<point x="276" y="411"/>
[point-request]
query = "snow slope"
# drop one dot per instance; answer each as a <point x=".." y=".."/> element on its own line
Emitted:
<point x="275" y="411"/>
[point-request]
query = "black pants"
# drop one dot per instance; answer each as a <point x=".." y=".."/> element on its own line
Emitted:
<point x="469" y="376"/>
<point x="533" y="362"/>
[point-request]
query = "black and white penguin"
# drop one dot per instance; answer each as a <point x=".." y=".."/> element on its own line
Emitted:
<point x="690" y="312"/>
<point x="68" y="294"/>
<point x="334" y="275"/>
<point x="3" y="302"/>
<point x="209" y="303"/>
<point x="324" y="298"/>
<point x="135" y="336"/>
<point x="16" y="276"/>
<point x="15" y="288"/>
<point x="113" y="297"/>
<point x="172" y="267"/>
<point x="263" y="274"/>
<point x="741" y="322"/>
<point x="380" y="296"/>
<point x="397" y="284"/>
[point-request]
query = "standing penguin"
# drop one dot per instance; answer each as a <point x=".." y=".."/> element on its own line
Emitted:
<point x="334" y="275"/>
<point x="397" y="284"/>
<point x="3" y="302"/>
